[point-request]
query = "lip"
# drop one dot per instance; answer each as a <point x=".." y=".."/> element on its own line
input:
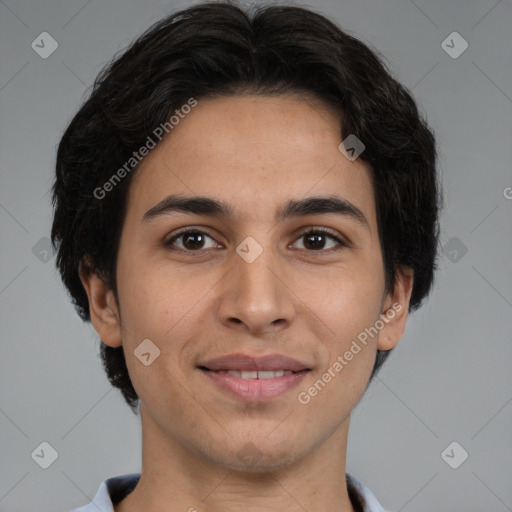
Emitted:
<point x="254" y="389"/>
<point x="243" y="362"/>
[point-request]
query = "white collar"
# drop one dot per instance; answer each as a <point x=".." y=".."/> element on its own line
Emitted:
<point x="114" y="489"/>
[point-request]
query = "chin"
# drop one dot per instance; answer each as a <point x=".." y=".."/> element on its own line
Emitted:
<point x="258" y="457"/>
<point x="264" y="465"/>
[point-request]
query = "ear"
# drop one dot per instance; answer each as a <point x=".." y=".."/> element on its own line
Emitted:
<point x="395" y="310"/>
<point x="102" y="307"/>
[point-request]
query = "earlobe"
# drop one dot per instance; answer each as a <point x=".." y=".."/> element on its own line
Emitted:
<point x="395" y="311"/>
<point x="102" y="307"/>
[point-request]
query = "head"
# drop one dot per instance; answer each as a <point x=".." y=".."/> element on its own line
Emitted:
<point x="248" y="108"/>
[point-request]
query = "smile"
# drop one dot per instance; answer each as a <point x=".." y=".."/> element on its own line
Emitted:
<point x="254" y="386"/>
<point x="266" y="374"/>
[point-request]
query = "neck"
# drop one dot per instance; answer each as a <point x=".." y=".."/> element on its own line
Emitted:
<point x="177" y="478"/>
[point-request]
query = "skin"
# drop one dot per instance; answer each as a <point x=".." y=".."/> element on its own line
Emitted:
<point x="299" y="299"/>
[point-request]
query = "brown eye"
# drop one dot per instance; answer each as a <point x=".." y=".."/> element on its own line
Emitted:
<point x="192" y="240"/>
<point x="315" y="240"/>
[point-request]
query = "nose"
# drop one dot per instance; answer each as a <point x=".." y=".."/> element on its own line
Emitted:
<point x="255" y="295"/>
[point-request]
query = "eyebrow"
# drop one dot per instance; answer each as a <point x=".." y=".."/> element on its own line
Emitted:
<point x="203" y="205"/>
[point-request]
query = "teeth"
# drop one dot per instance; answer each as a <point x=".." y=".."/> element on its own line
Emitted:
<point x="249" y="375"/>
<point x="267" y="374"/>
<point x="270" y="374"/>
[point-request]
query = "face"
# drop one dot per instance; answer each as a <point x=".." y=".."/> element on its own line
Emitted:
<point x="249" y="282"/>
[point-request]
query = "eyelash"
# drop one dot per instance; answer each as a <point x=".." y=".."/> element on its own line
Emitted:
<point x="311" y="231"/>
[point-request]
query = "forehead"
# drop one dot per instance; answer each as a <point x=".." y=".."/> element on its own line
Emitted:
<point x="254" y="152"/>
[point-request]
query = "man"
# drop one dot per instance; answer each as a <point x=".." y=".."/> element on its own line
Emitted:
<point x="246" y="209"/>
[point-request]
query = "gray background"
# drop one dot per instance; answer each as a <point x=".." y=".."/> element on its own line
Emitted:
<point x="448" y="380"/>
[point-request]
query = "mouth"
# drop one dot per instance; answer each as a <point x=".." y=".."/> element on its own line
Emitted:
<point x="254" y="378"/>
<point x="247" y="363"/>
<point x="249" y="375"/>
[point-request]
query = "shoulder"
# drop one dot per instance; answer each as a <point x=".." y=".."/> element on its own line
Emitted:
<point x="111" y="491"/>
<point x="114" y="489"/>
<point x="363" y="496"/>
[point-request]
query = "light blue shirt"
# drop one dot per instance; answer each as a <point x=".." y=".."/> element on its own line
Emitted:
<point x="114" y="489"/>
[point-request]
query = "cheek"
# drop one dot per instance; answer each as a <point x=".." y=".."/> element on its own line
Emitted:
<point x="349" y="306"/>
<point x="166" y="310"/>
<point x="157" y="303"/>
<point x="349" y="354"/>
<point x="347" y="301"/>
